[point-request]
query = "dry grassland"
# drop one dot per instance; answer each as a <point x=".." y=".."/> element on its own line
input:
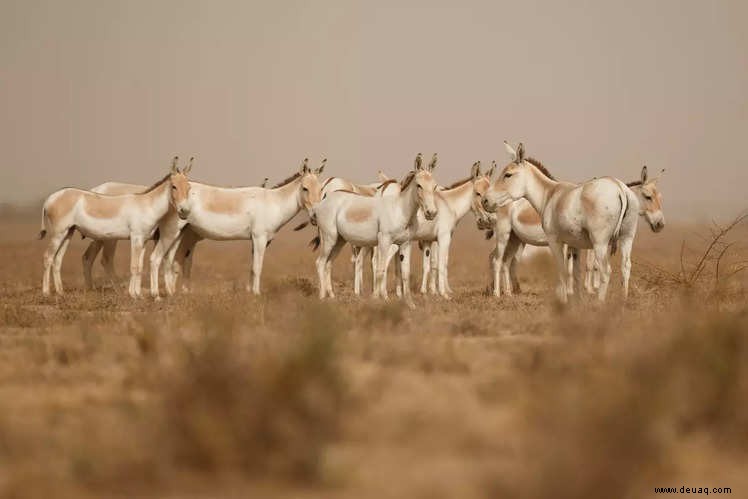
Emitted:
<point x="220" y="394"/>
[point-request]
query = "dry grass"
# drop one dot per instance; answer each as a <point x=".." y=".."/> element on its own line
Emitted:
<point x="220" y="394"/>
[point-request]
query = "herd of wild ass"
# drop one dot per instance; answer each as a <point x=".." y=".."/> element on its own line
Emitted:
<point x="582" y="224"/>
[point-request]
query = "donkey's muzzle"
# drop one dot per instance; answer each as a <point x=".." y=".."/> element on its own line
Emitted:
<point x="430" y="214"/>
<point x="183" y="213"/>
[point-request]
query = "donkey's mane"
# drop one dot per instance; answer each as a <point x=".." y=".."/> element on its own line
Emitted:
<point x="351" y="192"/>
<point x="287" y="181"/>
<point x="386" y="183"/>
<point x="155" y="186"/>
<point x="407" y="180"/>
<point x="540" y="166"/>
<point x="634" y="183"/>
<point x="458" y="183"/>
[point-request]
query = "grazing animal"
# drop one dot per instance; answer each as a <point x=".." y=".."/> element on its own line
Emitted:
<point x="379" y="221"/>
<point x="128" y="216"/>
<point x="236" y="213"/>
<point x="650" y="207"/>
<point x="109" y="247"/>
<point x="599" y="214"/>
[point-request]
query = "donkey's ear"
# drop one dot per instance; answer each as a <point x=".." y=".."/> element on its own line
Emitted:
<point x="304" y="166"/>
<point x="432" y="163"/>
<point x="321" y="167"/>
<point x="264" y="183"/>
<point x="475" y="170"/>
<point x="189" y="166"/>
<point x="418" y="165"/>
<point x="510" y="150"/>
<point x="490" y="171"/>
<point x="382" y="177"/>
<point x="662" y="172"/>
<point x="174" y="161"/>
<point x="644" y="174"/>
<point x="520" y="152"/>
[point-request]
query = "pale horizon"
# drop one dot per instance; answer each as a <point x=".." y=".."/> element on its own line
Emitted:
<point x="97" y="91"/>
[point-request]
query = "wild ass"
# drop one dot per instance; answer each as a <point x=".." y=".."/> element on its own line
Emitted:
<point x="236" y="213"/>
<point x="518" y="224"/>
<point x="596" y="214"/>
<point x="128" y="216"/>
<point x="109" y="247"/>
<point x="374" y="221"/>
<point x="650" y="207"/>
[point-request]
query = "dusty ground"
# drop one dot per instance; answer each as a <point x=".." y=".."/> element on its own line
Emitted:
<point x="220" y="394"/>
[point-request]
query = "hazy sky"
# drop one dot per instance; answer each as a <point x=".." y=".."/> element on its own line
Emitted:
<point x="102" y="90"/>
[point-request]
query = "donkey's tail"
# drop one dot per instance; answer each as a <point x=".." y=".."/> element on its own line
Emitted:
<point x="624" y="208"/>
<point x="314" y="243"/>
<point x="43" y="231"/>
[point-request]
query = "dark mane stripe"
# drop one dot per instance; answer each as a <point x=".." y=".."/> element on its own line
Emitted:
<point x="288" y="180"/>
<point x="155" y="186"/>
<point x="540" y="166"/>
<point x="351" y="192"/>
<point x="459" y="183"/>
<point x="384" y="184"/>
<point x="407" y="180"/>
<point x="634" y="183"/>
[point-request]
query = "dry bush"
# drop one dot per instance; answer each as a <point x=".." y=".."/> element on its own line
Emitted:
<point x="601" y="412"/>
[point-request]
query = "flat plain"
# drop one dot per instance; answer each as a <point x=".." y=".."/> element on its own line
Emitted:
<point x="217" y="393"/>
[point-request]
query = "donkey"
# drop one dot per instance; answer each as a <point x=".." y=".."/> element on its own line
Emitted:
<point x="109" y="247"/>
<point x="597" y="214"/>
<point x="379" y="221"/>
<point x="650" y="207"/>
<point x="128" y="216"/>
<point x="236" y="213"/>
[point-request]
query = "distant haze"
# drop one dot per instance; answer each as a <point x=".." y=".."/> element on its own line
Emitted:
<point x="111" y="90"/>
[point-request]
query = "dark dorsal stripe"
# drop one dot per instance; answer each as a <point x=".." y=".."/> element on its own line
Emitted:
<point x="634" y="183"/>
<point x="407" y="180"/>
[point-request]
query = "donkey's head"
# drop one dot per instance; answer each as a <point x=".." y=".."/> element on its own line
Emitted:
<point x="179" y="193"/>
<point x="425" y="186"/>
<point x="650" y="200"/>
<point x="481" y="184"/>
<point x="310" y="188"/>
<point x="511" y="183"/>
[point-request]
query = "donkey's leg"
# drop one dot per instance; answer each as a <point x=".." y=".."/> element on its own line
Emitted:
<point x="259" y="242"/>
<point x="557" y="249"/>
<point x="434" y="277"/>
<point x="173" y="266"/>
<point x="136" y="250"/>
<point x="183" y="256"/>
<point x="425" y="266"/>
<point x="601" y="257"/>
<point x="358" y="268"/>
<point x="107" y="260"/>
<point x="511" y="255"/>
<point x="589" y="266"/>
<point x="577" y="271"/>
<point x="380" y="281"/>
<point x="404" y="263"/>
<point x="49" y="258"/>
<point x="168" y="236"/>
<point x="139" y="275"/>
<point x="445" y="240"/>
<point x="328" y="265"/>
<point x="88" y="260"/>
<point x="374" y="260"/>
<point x="626" y="245"/>
<point x="390" y="254"/>
<point x="502" y="238"/>
<point x="398" y="275"/>
<point x="327" y="241"/>
<point x="57" y="265"/>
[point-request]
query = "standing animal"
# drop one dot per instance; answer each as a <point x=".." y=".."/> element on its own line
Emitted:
<point x="379" y="221"/>
<point x="105" y="218"/>
<point x="235" y="213"/>
<point x="599" y="214"/>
